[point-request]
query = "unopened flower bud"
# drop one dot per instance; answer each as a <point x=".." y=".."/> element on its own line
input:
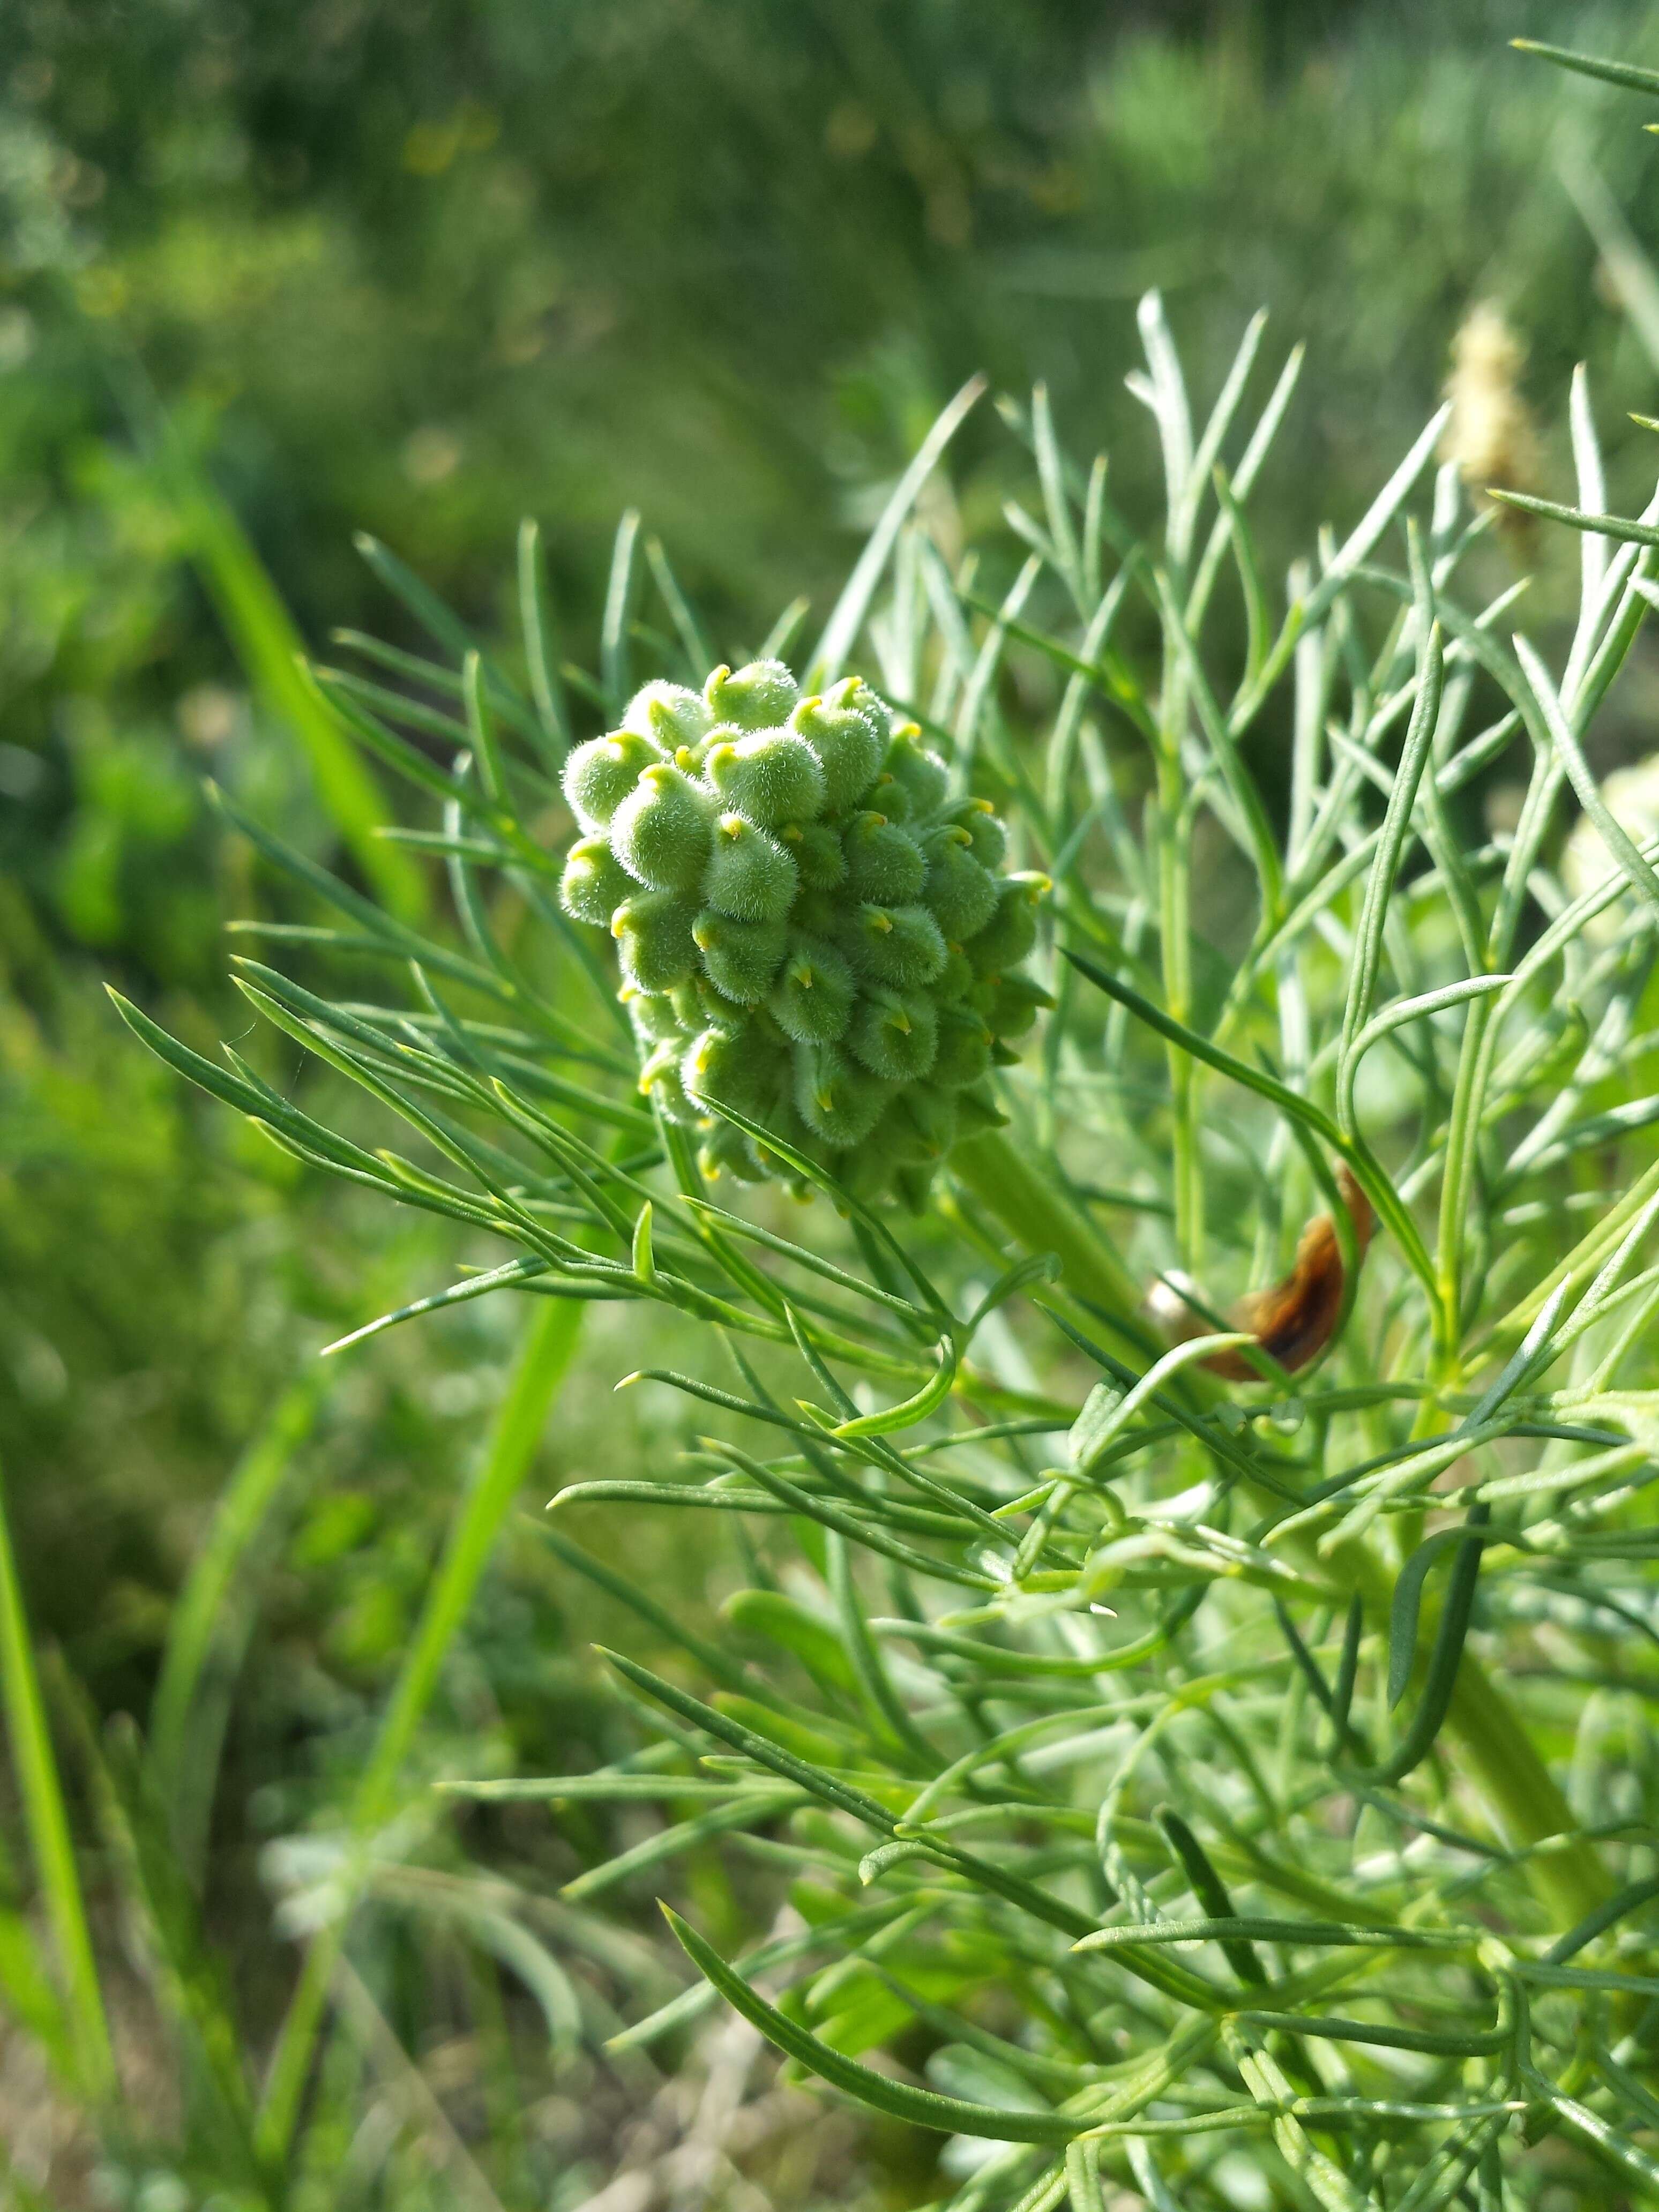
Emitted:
<point x="1011" y="1003"/>
<point x="816" y="852"/>
<point x="653" y="1016"/>
<point x="757" y="697"/>
<point x="670" y="714"/>
<point x="654" y="931"/>
<point x="920" y="1125"/>
<point x="965" y="1048"/>
<point x="593" y="886"/>
<point x="848" y="742"/>
<point x="978" y="1111"/>
<point x="837" y="1099"/>
<point x="732" y="1069"/>
<point x="771" y="776"/>
<point x="987" y="834"/>
<point x="1012" y="931"/>
<point x="598" y="776"/>
<point x="957" y="978"/>
<point x="749" y="875"/>
<point x="659" y="1081"/>
<point x="661" y="831"/>
<point x="894" y="1034"/>
<point x="884" y="864"/>
<point x="921" y="774"/>
<point x="726" y="1151"/>
<point x="896" y="945"/>
<point x="811" y="1000"/>
<point x="959" y="893"/>
<point x="740" y="958"/>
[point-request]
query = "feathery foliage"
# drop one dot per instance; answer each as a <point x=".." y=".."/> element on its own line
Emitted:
<point x="1160" y="1716"/>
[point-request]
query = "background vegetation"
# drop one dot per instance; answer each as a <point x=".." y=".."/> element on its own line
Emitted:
<point x="419" y="270"/>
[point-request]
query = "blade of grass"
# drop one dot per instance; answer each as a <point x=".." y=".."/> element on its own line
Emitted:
<point x="848" y="617"/>
<point x="204" y="1623"/>
<point x="545" y="1357"/>
<point x="40" y="1787"/>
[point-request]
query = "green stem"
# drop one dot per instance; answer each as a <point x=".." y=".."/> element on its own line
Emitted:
<point x="1028" y="1206"/>
<point x="1456" y="1182"/>
<point x="1498" y="1756"/>
<point x="544" y="1360"/>
<point x="41" y="1791"/>
<point x="1174" y="932"/>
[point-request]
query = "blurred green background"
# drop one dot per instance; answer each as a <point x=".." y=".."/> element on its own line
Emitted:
<point x="421" y="267"/>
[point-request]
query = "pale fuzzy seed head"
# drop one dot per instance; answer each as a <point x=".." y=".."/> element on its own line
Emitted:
<point x="1490" y="438"/>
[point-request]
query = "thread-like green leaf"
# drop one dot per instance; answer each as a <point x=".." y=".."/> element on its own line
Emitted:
<point x="879" y="2092"/>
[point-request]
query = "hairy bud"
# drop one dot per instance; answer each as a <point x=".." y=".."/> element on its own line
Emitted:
<point x="921" y="774"/>
<point x="598" y="776"/>
<point x="661" y="832"/>
<point x="963" y="1056"/>
<point x="986" y="834"/>
<point x="757" y="697"/>
<point x="960" y="894"/>
<point x="727" y="1069"/>
<point x="741" y="958"/>
<point x="839" y="1101"/>
<point x="884" y="864"/>
<point x="895" y="1034"/>
<point x="811" y="1000"/>
<point x="771" y="776"/>
<point x="670" y="714"/>
<point x="749" y="875"/>
<point x="593" y="885"/>
<point x="1012" y="931"/>
<point x="654" y="930"/>
<point x="816" y="852"/>
<point x="849" y="737"/>
<point x="897" y="945"/>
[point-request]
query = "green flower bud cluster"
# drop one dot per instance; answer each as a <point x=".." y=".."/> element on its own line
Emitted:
<point x="812" y="932"/>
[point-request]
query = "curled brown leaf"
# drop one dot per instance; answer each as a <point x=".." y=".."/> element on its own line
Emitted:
<point x="1293" y="1319"/>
